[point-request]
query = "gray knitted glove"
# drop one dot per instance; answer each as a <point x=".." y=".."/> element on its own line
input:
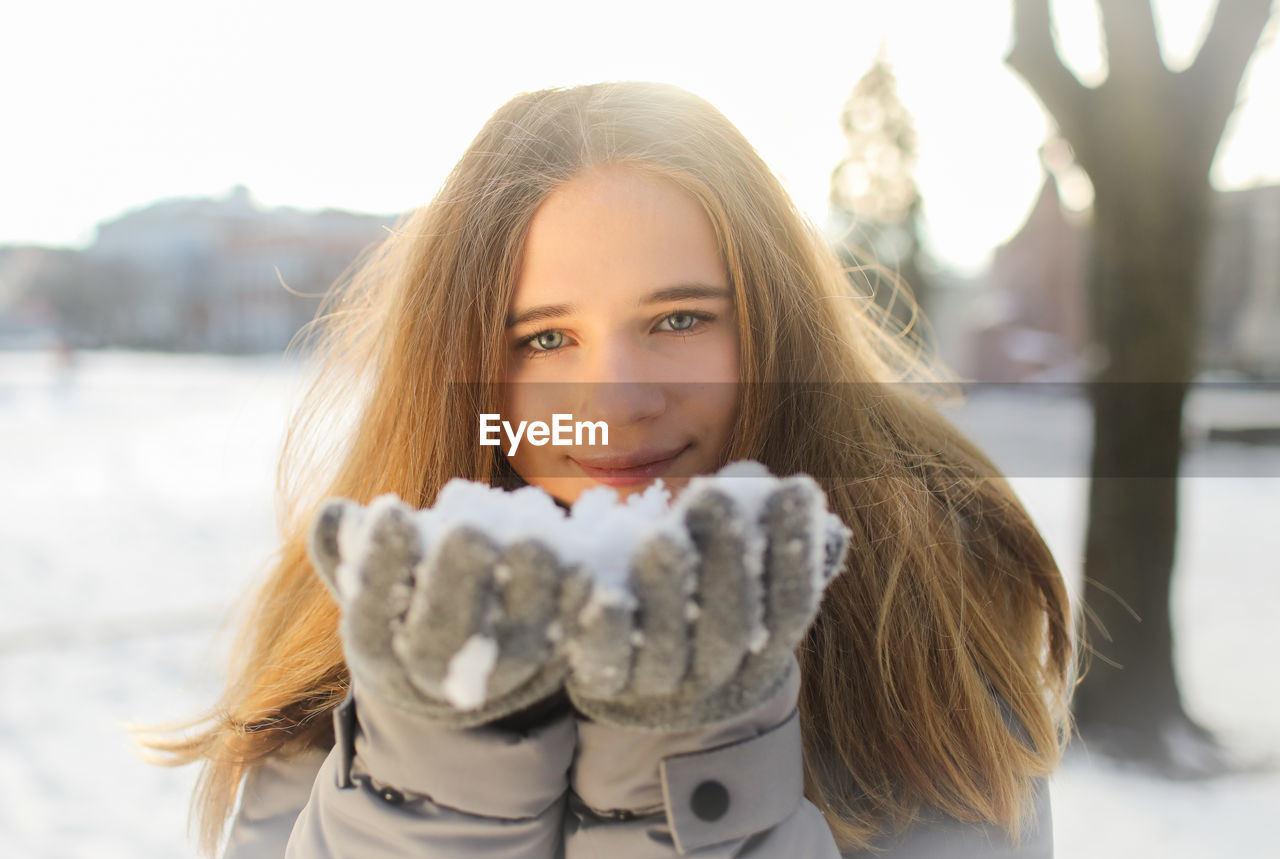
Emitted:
<point x="717" y="596"/>
<point x="450" y="612"/>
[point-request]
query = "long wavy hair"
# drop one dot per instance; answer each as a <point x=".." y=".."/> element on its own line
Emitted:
<point x="951" y="614"/>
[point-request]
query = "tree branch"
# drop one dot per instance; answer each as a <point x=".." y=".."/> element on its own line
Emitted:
<point x="1213" y="80"/>
<point x="1035" y="59"/>
<point x="1133" y="49"/>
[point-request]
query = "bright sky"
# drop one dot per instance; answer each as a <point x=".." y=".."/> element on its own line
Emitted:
<point x="109" y="106"/>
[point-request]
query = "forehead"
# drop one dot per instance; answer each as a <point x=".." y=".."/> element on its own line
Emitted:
<point x="616" y="229"/>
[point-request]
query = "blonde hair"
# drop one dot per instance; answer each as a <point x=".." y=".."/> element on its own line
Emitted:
<point x="950" y="608"/>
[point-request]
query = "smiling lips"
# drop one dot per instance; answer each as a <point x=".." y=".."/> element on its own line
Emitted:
<point x="629" y="469"/>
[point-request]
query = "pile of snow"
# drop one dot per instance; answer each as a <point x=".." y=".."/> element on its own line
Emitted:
<point x="601" y="532"/>
<point x="506" y="516"/>
<point x="608" y="532"/>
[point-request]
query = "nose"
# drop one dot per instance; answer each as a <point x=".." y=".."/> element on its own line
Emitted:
<point x="617" y="387"/>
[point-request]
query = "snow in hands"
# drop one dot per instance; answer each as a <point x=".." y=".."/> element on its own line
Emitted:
<point x="634" y="570"/>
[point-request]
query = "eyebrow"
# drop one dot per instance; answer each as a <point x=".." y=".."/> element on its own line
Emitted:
<point x="678" y="292"/>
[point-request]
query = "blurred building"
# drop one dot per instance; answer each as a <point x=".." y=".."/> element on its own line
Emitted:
<point x="1030" y="320"/>
<point x="194" y="274"/>
<point x="28" y="318"/>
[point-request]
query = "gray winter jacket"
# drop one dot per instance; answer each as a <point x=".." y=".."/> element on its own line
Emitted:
<point x="396" y="786"/>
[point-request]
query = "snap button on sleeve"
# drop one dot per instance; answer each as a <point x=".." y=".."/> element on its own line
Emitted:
<point x="710" y="800"/>
<point x="735" y="790"/>
<point x="391" y="795"/>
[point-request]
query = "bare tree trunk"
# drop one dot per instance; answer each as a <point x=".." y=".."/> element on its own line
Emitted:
<point x="1149" y="232"/>
<point x="1147" y="138"/>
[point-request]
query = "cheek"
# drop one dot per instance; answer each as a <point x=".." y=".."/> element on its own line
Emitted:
<point x="714" y="402"/>
<point x="718" y="401"/>
<point x="527" y="400"/>
<point x="718" y="358"/>
<point x="729" y="375"/>
<point x="725" y="404"/>
<point x="516" y="369"/>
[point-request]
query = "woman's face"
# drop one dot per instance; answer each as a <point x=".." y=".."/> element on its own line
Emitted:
<point x="622" y="313"/>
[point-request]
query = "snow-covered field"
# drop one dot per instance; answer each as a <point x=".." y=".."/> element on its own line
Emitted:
<point x="137" y="505"/>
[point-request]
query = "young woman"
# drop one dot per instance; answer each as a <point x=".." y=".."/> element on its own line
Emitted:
<point x="619" y="251"/>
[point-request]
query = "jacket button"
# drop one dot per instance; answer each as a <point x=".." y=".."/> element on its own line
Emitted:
<point x="710" y="800"/>
<point x="391" y="795"/>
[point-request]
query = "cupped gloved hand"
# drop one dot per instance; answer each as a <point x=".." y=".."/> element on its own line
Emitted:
<point x="452" y="612"/>
<point x="702" y="623"/>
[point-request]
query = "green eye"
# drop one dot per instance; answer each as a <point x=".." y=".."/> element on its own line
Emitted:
<point x="684" y="320"/>
<point x="542" y="343"/>
<point x="548" y="340"/>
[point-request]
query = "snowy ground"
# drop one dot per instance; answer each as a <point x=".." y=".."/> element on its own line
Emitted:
<point x="137" y="506"/>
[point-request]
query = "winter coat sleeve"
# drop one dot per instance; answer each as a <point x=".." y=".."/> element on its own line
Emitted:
<point x="733" y="789"/>
<point x="736" y="790"/>
<point x="396" y="785"/>
<point x="275" y="790"/>
<point x="936" y="836"/>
